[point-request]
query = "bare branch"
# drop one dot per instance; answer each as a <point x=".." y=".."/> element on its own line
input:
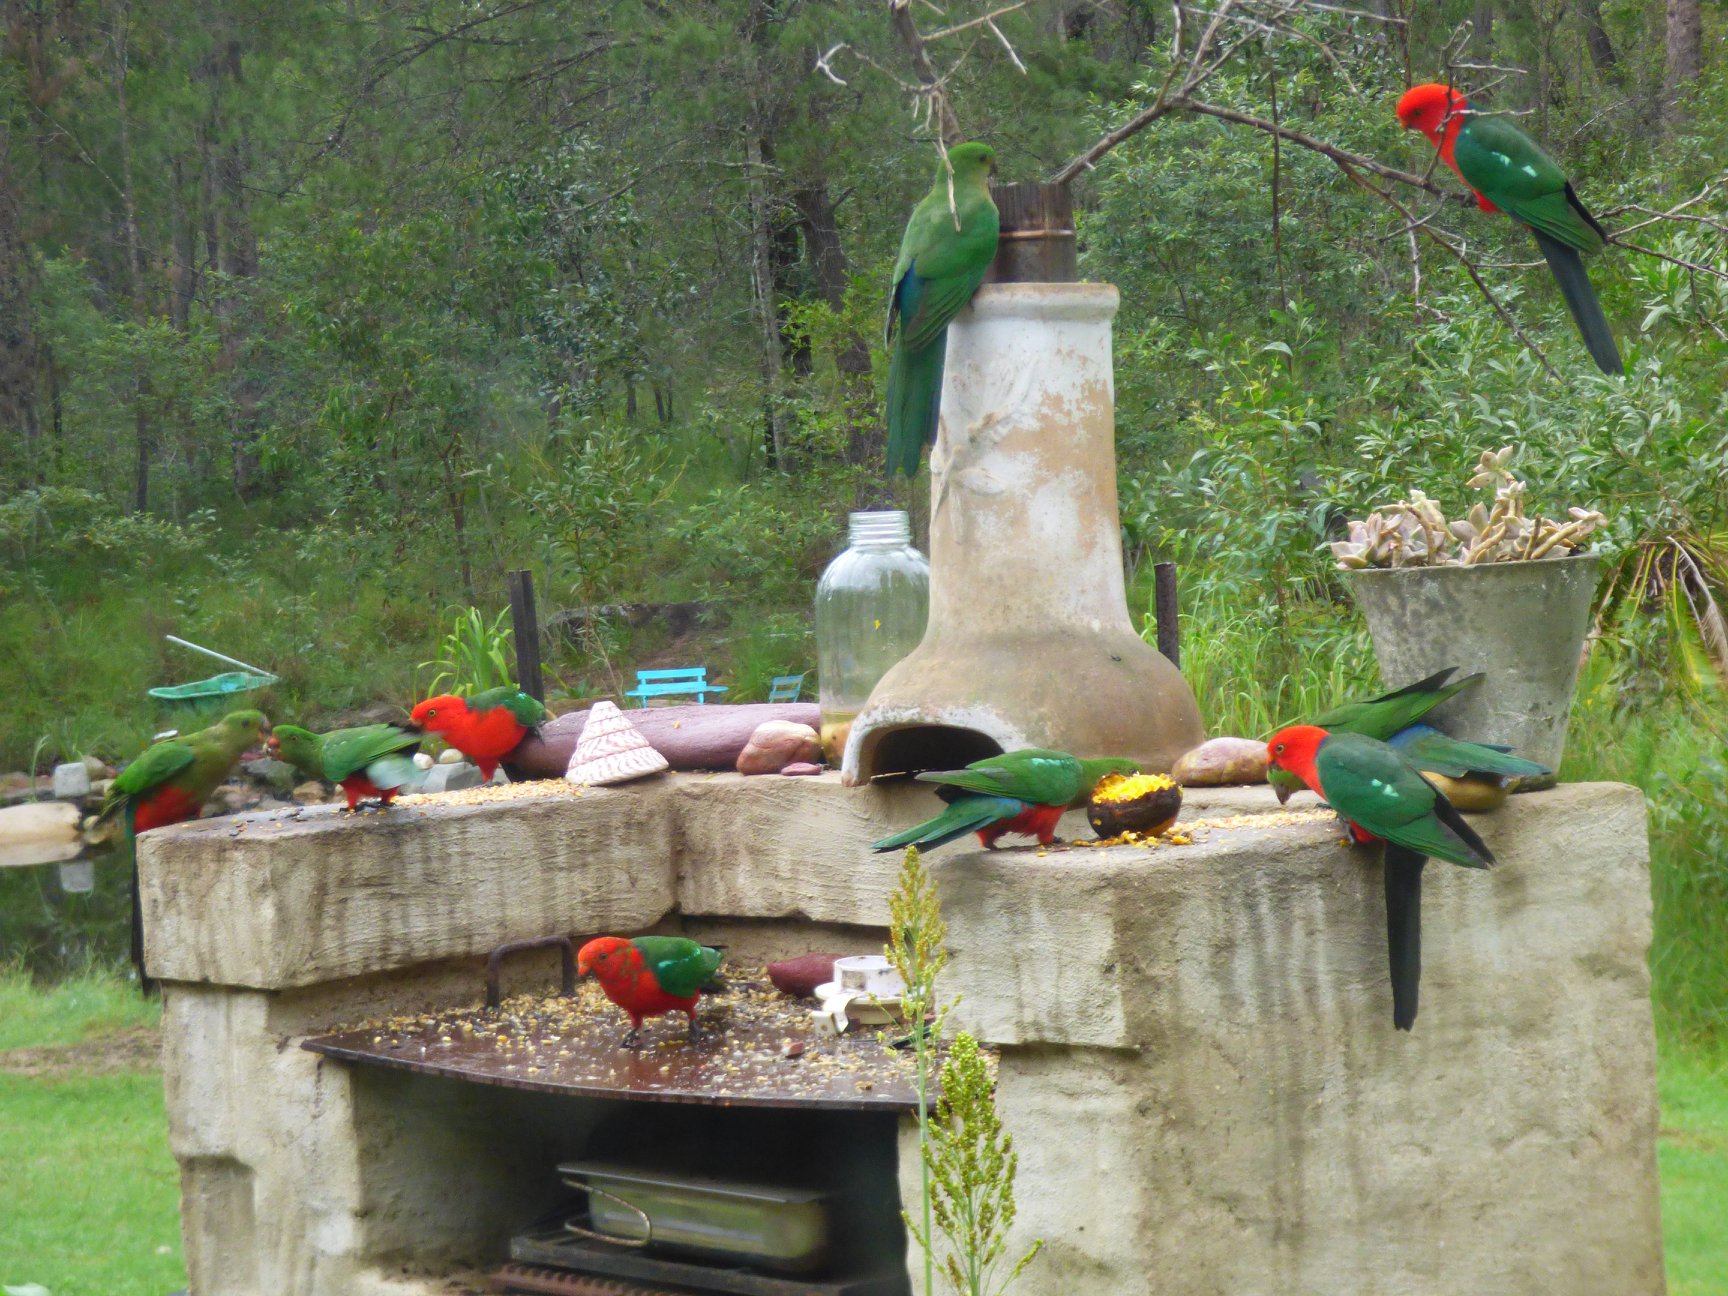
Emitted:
<point x="984" y="21"/>
<point x="901" y="20"/>
<point x="1696" y="267"/>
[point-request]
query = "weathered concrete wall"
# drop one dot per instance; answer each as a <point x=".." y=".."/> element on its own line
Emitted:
<point x="1198" y="1063"/>
<point x="1237" y="1114"/>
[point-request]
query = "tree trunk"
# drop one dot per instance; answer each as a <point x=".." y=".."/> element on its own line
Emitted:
<point x="1596" y="37"/>
<point x="134" y="260"/>
<point x="767" y="308"/>
<point x="1685" y="26"/>
<point x="1482" y="31"/>
<point x="236" y="254"/>
<point x="20" y="361"/>
<point x="455" y="498"/>
<point x="827" y="258"/>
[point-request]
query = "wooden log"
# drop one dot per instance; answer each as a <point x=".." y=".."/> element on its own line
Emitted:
<point x="692" y="737"/>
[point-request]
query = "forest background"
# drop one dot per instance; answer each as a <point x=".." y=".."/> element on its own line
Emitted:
<point x="317" y="317"/>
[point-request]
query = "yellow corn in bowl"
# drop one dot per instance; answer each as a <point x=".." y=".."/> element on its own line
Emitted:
<point x="1142" y="803"/>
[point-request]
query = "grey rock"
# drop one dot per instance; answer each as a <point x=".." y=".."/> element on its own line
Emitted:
<point x="271" y="773"/>
<point x="311" y="792"/>
<point x="71" y="781"/>
<point x="452" y="778"/>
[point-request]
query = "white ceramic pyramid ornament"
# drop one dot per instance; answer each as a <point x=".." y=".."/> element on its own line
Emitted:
<point x="611" y="750"/>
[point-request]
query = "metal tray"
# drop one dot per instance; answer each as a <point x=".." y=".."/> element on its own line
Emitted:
<point x="775" y="1227"/>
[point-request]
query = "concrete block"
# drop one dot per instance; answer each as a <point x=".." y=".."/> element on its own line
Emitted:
<point x="1197" y="1060"/>
<point x="296" y="898"/>
<point x="71" y="781"/>
<point x="1285" y="1138"/>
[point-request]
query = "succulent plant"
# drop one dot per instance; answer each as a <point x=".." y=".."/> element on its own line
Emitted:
<point x="1415" y="532"/>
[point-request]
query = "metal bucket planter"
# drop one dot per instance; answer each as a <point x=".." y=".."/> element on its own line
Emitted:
<point x="1521" y="623"/>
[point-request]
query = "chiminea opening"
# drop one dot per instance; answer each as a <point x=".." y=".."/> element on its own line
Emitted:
<point x="461" y="1178"/>
<point x="911" y="749"/>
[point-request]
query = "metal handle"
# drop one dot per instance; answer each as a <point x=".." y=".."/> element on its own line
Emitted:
<point x="613" y="1238"/>
<point x="566" y="953"/>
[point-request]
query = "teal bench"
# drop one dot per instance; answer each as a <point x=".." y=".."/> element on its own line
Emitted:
<point x="666" y="683"/>
<point x="786" y="688"/>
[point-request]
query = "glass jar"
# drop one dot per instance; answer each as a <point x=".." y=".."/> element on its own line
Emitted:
<point x="871" y="606"/>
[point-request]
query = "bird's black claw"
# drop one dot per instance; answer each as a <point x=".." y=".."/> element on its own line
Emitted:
<point x="695" y="1032"/>
<point x="630" y="1041"/>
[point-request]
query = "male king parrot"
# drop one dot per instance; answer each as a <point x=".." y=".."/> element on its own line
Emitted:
<point x="374" y="760"/>
<point x="486" y="727"/>
<point x="1023" y="791"/>
<point x="948" y="245"/>
<point x="1383" y="798"/>
<point x="1395" y="718"/>
<point x="650" y="976"/>
<point x="169" y="783"/>
<point x="1510" y="172"/>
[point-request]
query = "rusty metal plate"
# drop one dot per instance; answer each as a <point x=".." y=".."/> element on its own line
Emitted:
<point x="759" y="1049"/>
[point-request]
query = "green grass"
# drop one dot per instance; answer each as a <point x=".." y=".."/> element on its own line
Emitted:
<point x="92" y="1196"/>
<point x="78" y="1008"/>
<point x="1693" y="1154"/>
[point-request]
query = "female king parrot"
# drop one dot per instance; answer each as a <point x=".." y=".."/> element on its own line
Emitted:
<point x="1023" y="791"/>
<point x="169" y="783"/>
<point x="375" y="760"/>
<point x="948" y="245"/>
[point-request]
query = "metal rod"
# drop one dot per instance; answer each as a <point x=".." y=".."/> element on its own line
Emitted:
<point x="566" y="968"/>
<point x="187" y="643"/>
<point x="1164" y="599"/>
<point x="527" y="624"/>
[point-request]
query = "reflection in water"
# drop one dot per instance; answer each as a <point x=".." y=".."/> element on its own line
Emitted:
<point x="49" y="932"/>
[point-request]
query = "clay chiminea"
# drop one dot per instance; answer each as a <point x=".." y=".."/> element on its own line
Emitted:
<point x="1029" y="642"/>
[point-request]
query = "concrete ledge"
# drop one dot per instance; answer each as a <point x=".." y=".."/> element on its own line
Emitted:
<point x="301" y="897"/>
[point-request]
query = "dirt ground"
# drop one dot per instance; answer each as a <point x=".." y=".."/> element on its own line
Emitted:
<point x="137" y="1048"/>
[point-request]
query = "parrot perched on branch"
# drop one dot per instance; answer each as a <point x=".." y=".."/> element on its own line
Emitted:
<point x="168" y="783"/>
<point x="486" y="727"/>
<point x="1510" y="172"/>
<point x="1383" y="798"/>
<point x="1395" y="718"/>
<point x="651" y="975"/>
<point x="1023" y="791"/>
<point x="375" y="760"/>
<point x="948" y="245"/>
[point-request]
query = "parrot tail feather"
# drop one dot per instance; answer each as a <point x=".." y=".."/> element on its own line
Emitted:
<point x="390" y="773"/>
<point x="914" y="402"/>
<point x="1404" y="930"/>
<point x="1567" y="266"/>
<point x="967" y="814"/>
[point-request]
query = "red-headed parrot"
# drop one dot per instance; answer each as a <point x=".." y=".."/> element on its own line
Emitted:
<point x="486" y="727"/>
<point x="651" y="975"/>
<point x="1023" y="791"/>
<point x="1383" y="798"/>
<point x="948" y="245"/>
<point x="1395" y="718"/>
<point x="375" y="760"/>
<point x="1510" y="172"/>
<point x="169" y="783"/>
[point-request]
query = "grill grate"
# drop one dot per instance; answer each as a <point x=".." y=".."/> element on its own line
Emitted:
<point x="533" y="1280"/>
